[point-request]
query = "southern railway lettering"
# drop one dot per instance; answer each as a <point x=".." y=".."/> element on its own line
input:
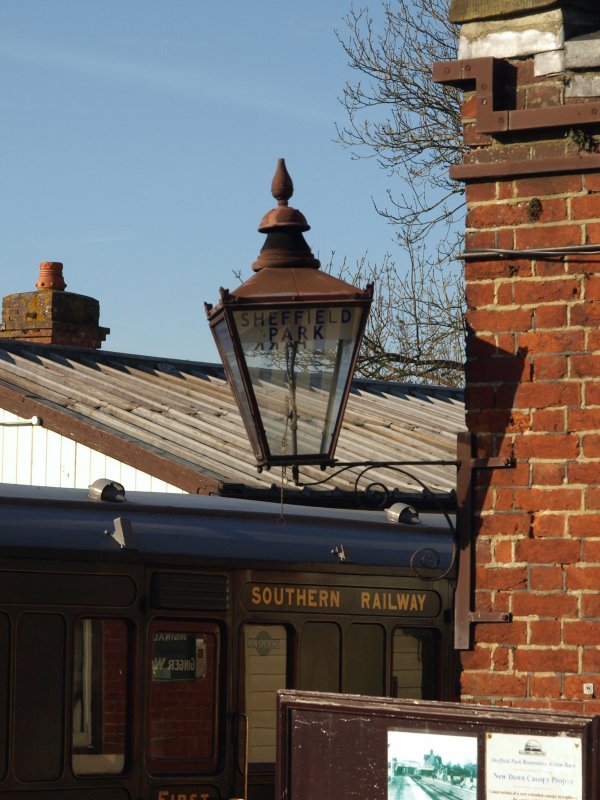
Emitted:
<point x="295" y="597"/>
<point x="393" y="601"/>
<point x="344" y="599"/>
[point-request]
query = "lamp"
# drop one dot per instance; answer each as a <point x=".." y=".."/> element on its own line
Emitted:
<point x="289" y="338"/>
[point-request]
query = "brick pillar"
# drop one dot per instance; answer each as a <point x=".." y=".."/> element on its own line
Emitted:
<point x="52" y="316"/>
<point x="532" y="175"/>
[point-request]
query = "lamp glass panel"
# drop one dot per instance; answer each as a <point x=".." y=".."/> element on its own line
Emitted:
<point x="227" y="353"/>
<point x="298" y="359"/>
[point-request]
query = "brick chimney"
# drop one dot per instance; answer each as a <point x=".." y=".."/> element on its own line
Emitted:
<point x="52" y="316"/>
<point x="530" y="626"/>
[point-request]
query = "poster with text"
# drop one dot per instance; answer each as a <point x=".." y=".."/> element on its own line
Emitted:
<point x="431" y="765"/>
<point x="520" y="767"/>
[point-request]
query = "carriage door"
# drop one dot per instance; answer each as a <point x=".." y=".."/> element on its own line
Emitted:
<point x="265" y="671"/>
<point x="182" y="709"/>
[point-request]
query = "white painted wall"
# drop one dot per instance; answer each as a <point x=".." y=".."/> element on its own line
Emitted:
<point x="34" y="456"/>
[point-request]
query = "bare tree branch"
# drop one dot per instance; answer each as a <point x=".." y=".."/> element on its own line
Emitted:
<point x="412" y="127"/>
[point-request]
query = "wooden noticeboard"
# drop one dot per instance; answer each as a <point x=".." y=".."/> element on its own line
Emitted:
<point x="335" y="747"/>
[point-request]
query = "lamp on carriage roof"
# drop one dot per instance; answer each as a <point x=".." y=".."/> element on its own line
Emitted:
<point x="289" y="338"/>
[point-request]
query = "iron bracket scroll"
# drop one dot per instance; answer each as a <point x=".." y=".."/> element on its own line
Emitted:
<point x="464" y="615"/>
<point x="377" y="496"/>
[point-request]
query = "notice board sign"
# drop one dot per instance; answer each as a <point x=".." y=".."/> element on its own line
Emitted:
<point x="177" y="656"/>
<point x="543" y="766"/>
<point x="334" y="746"/>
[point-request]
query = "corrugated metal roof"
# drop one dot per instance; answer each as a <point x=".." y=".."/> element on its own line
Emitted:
<point x="177" y="419"/>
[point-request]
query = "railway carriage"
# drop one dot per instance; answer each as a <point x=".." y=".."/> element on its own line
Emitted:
<point x="143" y="639"/>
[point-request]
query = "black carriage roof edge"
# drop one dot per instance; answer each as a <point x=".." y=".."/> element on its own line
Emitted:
<point x="209" y="504"/>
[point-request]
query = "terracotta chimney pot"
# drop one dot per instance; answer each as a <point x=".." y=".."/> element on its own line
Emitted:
<point x="51" y="276"/>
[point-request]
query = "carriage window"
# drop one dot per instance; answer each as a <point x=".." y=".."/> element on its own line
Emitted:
<point x="320" y="657"/>
<point x="365" y="659"/>
<point x="414" y="656"/>
<point x="99" y="696"/>
<point x="265" y="648"/>
<point x="183" y="701"/>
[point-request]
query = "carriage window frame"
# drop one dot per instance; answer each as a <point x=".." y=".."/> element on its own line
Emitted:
<point x="5" y="676"/>
<point x="89" y="709"/>
<point x="39" y="696"/>
<point x="333" y="682"/>
<point x="255" y="628"/>
<point x="188" y="765"/>
<point x="428" y="662"/>
<point x="353" y="651"/>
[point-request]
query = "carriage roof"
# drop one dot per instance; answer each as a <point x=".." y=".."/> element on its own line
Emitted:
<point x="66" y="520"/>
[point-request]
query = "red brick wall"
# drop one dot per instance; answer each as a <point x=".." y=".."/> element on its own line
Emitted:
<point x="114" y="688"/>
<point x="533" y="392"/>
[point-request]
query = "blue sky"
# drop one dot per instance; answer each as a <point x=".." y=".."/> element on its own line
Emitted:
<point x="139" y="139"/>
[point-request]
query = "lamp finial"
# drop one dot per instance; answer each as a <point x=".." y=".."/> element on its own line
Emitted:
<point x="282" y="187"/>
